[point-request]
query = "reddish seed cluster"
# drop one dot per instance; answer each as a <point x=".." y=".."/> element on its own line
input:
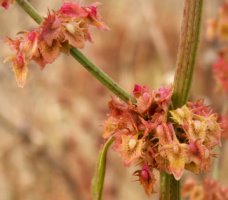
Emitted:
<point x="209" y="190"/>
<point x="218" y="28"/>
<point x="220" y="71"/>
<point x="6" y="3"/>
<point x="144" y="136"/>
<point x="68" y="27"/>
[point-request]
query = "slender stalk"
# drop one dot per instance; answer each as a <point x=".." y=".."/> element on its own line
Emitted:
<point x="30" y="10"/>
<point x="101" y="76"/>
<point x="82" y="59"/>
<point x="189" y="38"/>
<point x="98" y="181"/>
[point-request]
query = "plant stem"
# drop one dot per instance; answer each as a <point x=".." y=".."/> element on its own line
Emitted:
<point x="82" y="59"/>
<point x="30" y="10"/>
<point x="98" y="180"/>
<point x="101" y="76"/>
<point x="187" y="50"/>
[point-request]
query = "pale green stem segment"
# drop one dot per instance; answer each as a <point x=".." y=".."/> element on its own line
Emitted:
<point x="187" y="51"/>
<point x="30" y="10"/>
<point x="82" y="59"/>
<point x="101" y="76"/>
<point x="98" y="180"/>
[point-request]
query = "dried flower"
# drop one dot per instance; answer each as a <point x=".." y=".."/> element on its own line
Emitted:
<point x="143" y="134"/>
<point x="146" y="178"/>
<point x="134" y="128"/>
<point x="174" y="152"/>
<point x="201" y="131"/>
<point x="68" y="27"/>
<point x="24" y="46"/>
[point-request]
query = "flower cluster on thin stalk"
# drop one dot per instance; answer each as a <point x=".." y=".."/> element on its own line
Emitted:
<point x="208" y="190"/>
<point x="152" y="137"/>
<point x="62" y="29"/>
<point x="6" y="3"/>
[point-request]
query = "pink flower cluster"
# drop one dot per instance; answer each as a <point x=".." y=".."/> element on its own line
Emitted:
<point x="220" y="71"/>
<point x="6" y="3"/>
<point x="68" y="27"/>
<point x="209" y="190"/>
<point x="146" y="136"/>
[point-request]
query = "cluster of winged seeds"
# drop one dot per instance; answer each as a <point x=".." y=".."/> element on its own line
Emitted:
<point x="62" y="29"/>
<point x="151" y="137"/>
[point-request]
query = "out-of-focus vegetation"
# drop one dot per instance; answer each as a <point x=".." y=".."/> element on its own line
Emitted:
<point x="51" y="130"/>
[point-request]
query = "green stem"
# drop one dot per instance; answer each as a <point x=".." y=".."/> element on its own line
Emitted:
<point x="82" y="59"/>
<point x="187" y="51"/>
<point x="98" y="181"/>
<point x="28" y="8"/>
<point x="170" y="188"/>
<point x="101" y="76"/>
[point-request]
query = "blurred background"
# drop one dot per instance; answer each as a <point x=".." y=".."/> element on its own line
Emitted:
<point x="51" y="130"/>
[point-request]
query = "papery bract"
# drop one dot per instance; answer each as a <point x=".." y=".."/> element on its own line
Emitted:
<point x="24" y="46"/>
<point x="146" y="178"/>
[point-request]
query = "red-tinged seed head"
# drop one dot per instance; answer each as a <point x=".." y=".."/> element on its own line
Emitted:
<point x="137" y="89"/>
<point x="92" y="11"/>
<point x="66" y="8"/>
<point x="144" y="174"/>
<point x="32" y="36"/>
